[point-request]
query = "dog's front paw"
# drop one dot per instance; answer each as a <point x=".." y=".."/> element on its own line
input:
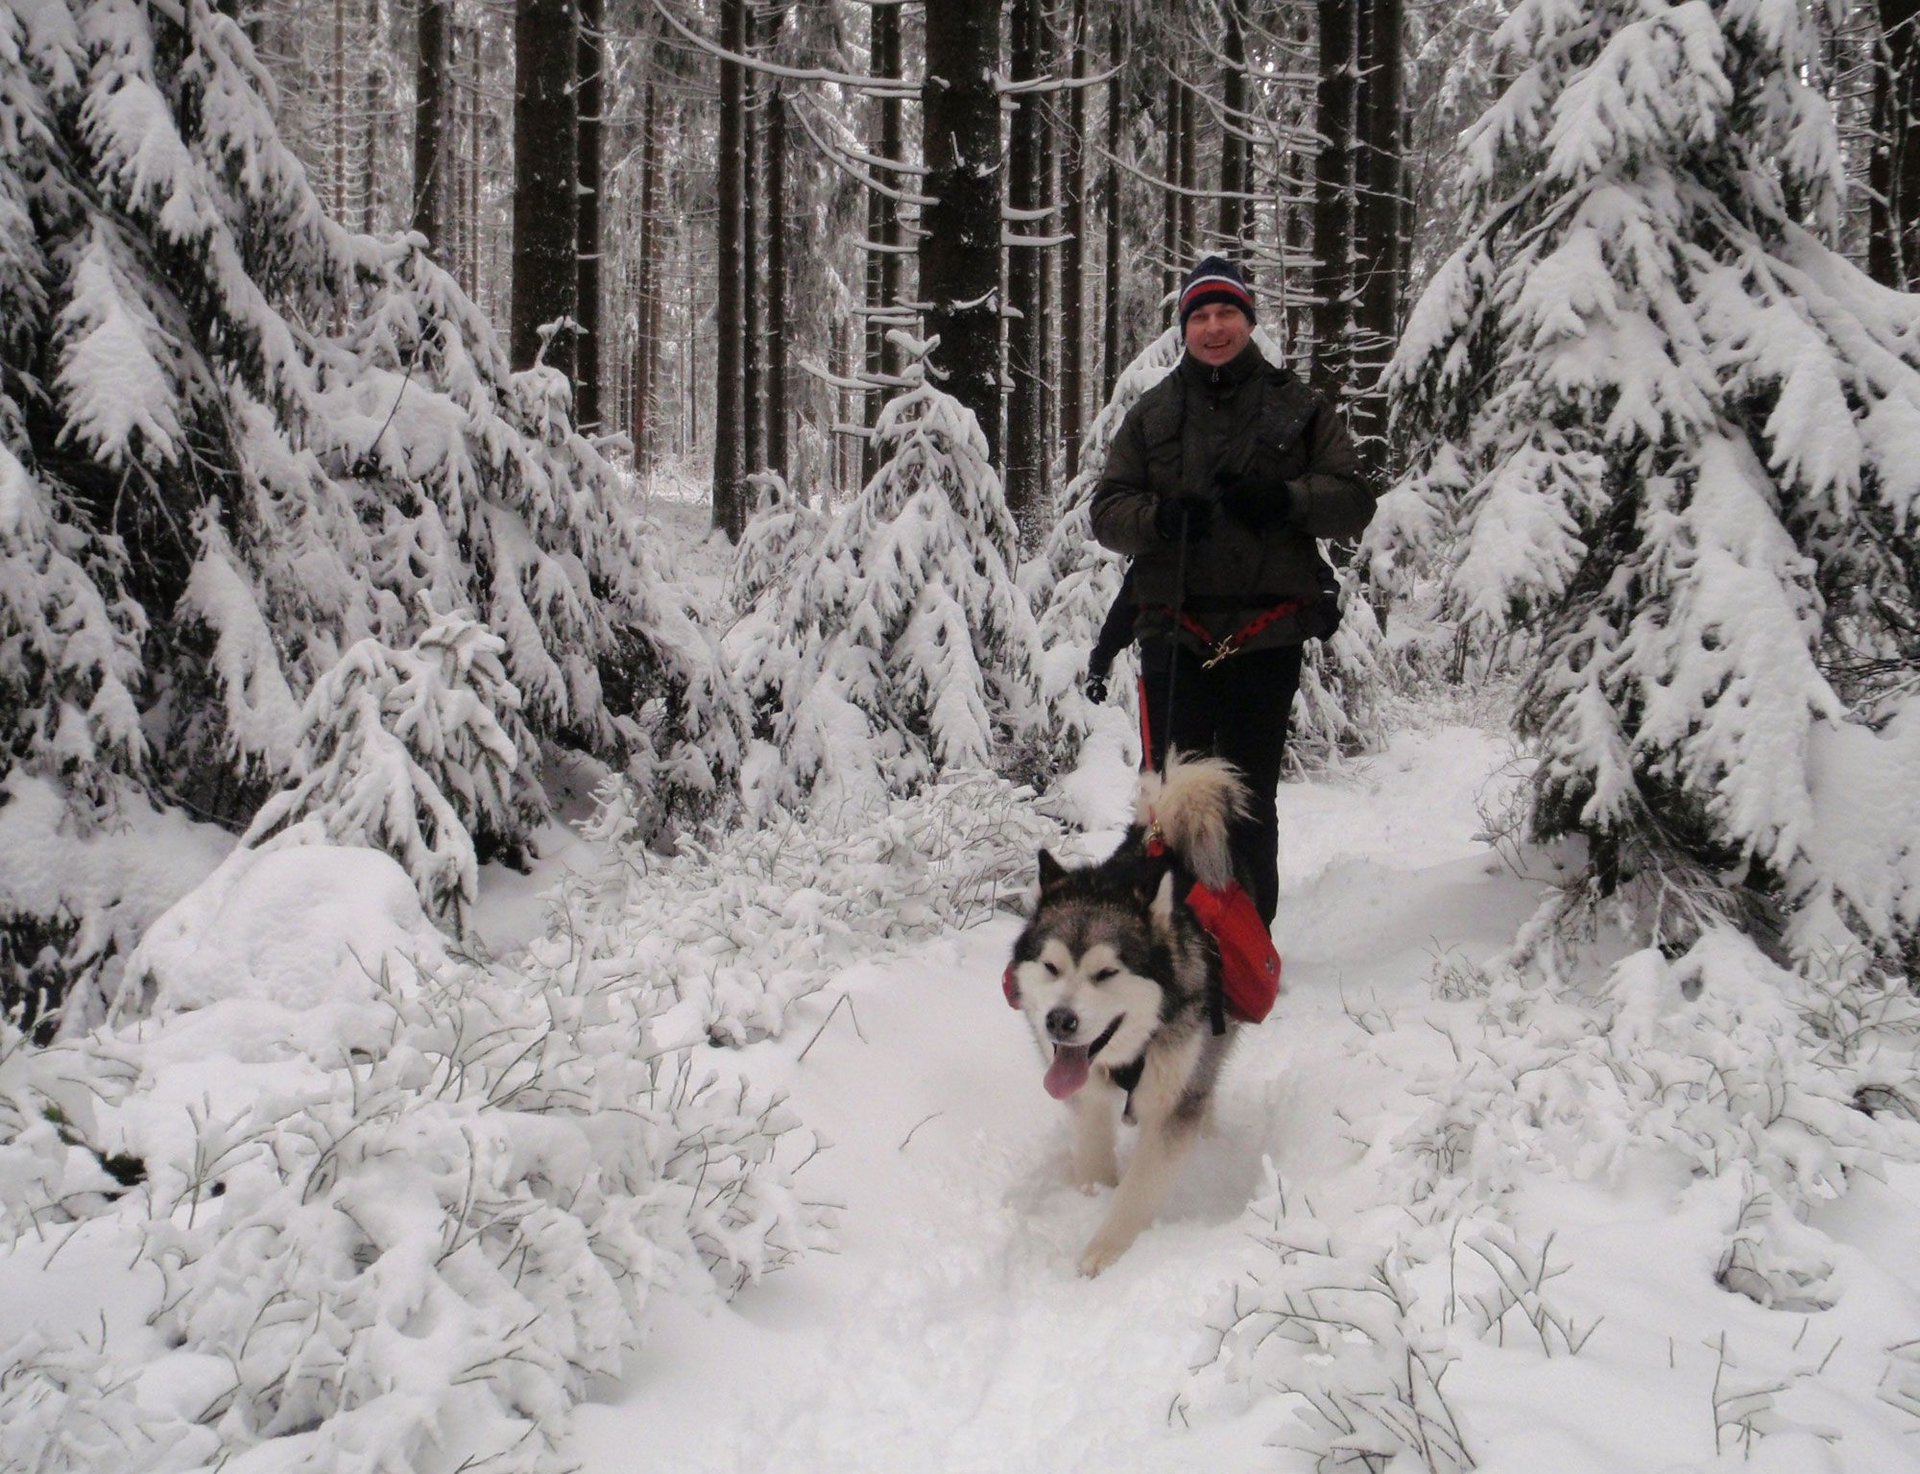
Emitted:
<point x="1089" y="1180"/>
<point x="1101" y="1253"/>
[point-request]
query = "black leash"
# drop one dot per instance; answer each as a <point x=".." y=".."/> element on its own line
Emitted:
<point x="1216" y="998"/>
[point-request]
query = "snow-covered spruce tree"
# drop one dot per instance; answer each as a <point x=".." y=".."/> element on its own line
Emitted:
<point x="901" y="648"/>
<point x="416" y="752"/>
<point x="781" y="532"/>
<point x="1692" y="433"/>
<point x="1073" y="580"/>
<point x="236" y="439"/>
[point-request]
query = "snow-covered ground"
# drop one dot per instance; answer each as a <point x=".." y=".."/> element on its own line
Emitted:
<point x="950" y="1332"/>
<point x="1477" y="1221"/>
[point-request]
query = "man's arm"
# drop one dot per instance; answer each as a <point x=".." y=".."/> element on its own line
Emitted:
<point x="1333" y="497"/>
<point x="1122" y="508"/>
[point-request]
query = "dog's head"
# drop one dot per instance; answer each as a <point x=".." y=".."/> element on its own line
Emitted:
<point x="1088" y="969"/>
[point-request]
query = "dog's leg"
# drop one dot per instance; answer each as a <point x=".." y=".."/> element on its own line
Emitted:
<point x="1162" y="1148"/>
<point x="1170" y="1100"/>
<point x="1094" y="1110"/>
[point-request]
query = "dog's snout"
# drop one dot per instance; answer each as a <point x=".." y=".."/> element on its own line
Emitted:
<point x="1062" y="1023"/>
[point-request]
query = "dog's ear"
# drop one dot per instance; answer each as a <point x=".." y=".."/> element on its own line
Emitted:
<point x="1052" y="872"/>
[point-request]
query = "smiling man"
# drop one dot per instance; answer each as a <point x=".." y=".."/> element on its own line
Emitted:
<point x="1219" y="483"/>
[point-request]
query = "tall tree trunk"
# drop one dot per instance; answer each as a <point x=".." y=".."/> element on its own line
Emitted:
<point x="960" y="244"/>
<point x="752" y="249"/>
<point x="1171" y="246"/>
<point x="370" y="105"/>
<point x="340" y="109"/>
<point x="1073" y="254"/>
<point x="1110" y="292"/>
<point x="590" y="62"/>
<point x="544" y="207"/>
<point x="777" y="460"/>
<point x="1333" y="198"/>
<point x="430" y="124"/>
<point x="1235" y="153"/>
<point x="729" y="418"/>
<point x="646" y="288"/>
<point x="1189" y="180"/>
<point x="1026" y="450"/>
<point x="1379" y="304"/>
<point x="1893" y="238"/>
<point x="893" y="145"/>
<point x="883" y="226"/>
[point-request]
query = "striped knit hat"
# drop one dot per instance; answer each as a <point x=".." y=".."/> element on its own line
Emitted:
<point x="1214" y="279"/>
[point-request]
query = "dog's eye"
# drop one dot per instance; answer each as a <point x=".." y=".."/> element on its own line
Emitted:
<point x="1052" y="970"/>
<point x="1106" y="973"/>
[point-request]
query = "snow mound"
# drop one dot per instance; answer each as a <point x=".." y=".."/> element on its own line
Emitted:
<point x="301" y="928"/>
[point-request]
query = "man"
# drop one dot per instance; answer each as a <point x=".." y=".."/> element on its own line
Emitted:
<point x="1217" y="485"/>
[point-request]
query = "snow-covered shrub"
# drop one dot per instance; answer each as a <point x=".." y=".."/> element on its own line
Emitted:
<point x="732" y="933"/>
<point x="901" y="648"/>
<point x="1343" y="1336"/>
<point x="778" y="537"/>
<point x="415" y="752"/>
<point x="1686" y="431"/>
<point x="54" y="1167"/>
<point x="237" y="439"/>
<point x="417" y="1246"/>
<point x="76" y="893"/>
<point x="1719" y="1057"/>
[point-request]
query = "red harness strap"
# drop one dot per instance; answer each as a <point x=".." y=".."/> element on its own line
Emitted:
<point x="1219" y="650"/>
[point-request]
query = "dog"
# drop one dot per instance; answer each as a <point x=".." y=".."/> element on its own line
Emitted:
<point x="1119" y="981"/>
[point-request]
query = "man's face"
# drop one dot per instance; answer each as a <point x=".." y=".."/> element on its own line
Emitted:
<point x="1217" y="332"/>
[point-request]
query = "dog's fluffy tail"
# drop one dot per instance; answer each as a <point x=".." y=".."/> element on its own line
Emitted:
<point x="1192" y="805"/>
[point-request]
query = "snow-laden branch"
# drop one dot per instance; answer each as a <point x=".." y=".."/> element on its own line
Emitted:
<point x="873" y="86"/>
<point x="841" y="160"/>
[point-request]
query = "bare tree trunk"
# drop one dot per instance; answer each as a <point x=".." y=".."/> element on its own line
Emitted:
<point x="777" y="326"/>
<point x="1893" y="236"/>
<point x="1333" y="198"/>
<point x="1189" y="180"/>
<point x="1073" y="254"/>
<point x="752" y="251"/>
<point x="883" y="226"/>
<point x="1026" y="451"/>
<point x="1110" y="321"/>
<point x="340" y="109"/>
<point x="544" y="205"/>
<point x="1235" y="160"/>
<point x="429" y="125"/>
<point x="1379" y="304"/>
<point x="729" y="418"/>
<point x="370" y="105"/>
<point x="1171" y="246"/>
<point x="645" y="285"/>
<point x="589" y="62"/>
<point x="960" y="244"/>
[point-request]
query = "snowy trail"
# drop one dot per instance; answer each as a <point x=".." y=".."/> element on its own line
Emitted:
<point x="951" y="1332"/>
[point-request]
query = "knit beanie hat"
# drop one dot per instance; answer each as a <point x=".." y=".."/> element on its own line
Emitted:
<point x="1214" y="279"/>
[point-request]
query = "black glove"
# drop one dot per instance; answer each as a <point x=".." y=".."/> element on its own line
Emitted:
<point x="1096" y="686"/>
<point x="1197" y="510"/>
<point x="1254" y="504"/>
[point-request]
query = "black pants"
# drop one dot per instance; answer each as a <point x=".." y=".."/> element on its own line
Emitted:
<point x="1238" y="710"/>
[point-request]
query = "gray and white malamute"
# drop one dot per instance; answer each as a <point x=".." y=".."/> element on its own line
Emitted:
<point x="1117" y="976"/>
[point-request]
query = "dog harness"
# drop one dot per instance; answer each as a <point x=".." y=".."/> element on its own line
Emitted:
<point x="1219" y="649"/>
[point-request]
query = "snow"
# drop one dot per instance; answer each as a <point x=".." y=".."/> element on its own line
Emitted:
<point x="1474" y="1175"/>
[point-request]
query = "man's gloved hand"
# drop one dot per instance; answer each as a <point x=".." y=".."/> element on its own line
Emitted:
<point x="1253" y="503"/>
<point x="1197" y="510"/>
<point x="1096" y="686"/>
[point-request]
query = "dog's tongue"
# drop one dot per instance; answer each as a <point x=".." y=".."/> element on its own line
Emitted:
<point x="1068" y="1072"/>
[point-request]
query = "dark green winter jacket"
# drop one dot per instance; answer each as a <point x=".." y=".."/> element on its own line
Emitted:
<point x="1250" y="420"/>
